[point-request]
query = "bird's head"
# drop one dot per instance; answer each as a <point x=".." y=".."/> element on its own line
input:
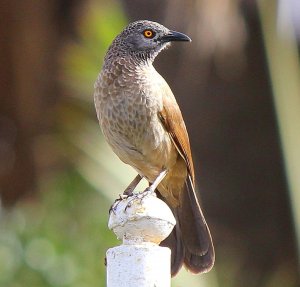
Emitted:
<point x="145" y="39"/>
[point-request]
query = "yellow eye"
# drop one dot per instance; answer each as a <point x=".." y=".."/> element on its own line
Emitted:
<point x="148" y="34"/>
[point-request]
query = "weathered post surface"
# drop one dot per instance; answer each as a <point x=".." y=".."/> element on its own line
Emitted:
<point x="142" y="222"/>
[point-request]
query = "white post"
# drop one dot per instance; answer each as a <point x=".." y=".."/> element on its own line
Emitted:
<point x="142" y="223"/>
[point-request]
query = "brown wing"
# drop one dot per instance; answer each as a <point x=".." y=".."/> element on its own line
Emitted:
<point x="172" y="120"/>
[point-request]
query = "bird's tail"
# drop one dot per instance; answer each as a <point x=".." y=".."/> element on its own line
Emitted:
<point x="190" y="241"/>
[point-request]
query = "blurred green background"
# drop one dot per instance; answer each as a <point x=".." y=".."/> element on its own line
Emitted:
<point x="238" y="85"/>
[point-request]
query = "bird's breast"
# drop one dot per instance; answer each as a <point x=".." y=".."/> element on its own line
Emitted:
<point x="127" y="107"/>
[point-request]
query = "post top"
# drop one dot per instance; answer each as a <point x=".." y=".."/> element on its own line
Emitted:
<point x="141" y="219"/>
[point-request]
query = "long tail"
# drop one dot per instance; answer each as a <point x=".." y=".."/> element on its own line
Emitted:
<point x="190" y="241"/>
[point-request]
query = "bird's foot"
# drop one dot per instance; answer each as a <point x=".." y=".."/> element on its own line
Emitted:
<point x="117" y="202"/>
<point x="140" y="196"/>
<point x="148" y="191"/>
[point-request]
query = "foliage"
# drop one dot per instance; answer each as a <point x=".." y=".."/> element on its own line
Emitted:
<point x="57" y="239"/>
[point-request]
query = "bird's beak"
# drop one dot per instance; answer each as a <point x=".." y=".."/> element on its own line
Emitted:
<point x="175" y="36"/>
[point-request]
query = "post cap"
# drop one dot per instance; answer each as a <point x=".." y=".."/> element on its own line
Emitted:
<point x="141" y="219"/>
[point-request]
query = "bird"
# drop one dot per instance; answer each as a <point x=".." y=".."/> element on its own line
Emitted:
<point x="142" y="122"/>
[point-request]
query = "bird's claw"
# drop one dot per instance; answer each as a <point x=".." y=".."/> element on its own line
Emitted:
<point x="117" y="202"/>
<point x="140" y="196"/>
<point x="133" y="197"/>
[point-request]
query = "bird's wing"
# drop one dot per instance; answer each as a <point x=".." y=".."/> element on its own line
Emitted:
<point x="171" y="118"/>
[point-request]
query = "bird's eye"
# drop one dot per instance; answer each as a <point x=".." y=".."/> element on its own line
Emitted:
<point x="148" y="34"/>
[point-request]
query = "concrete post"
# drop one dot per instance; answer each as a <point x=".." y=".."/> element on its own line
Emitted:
<point x="142" y="223"/>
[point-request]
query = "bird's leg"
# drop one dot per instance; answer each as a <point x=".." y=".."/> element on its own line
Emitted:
<point x="130" y="188"/>
<point x="127" y="192"/>
<point x="150" y="189"/>
<point x="157" y="181"/>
